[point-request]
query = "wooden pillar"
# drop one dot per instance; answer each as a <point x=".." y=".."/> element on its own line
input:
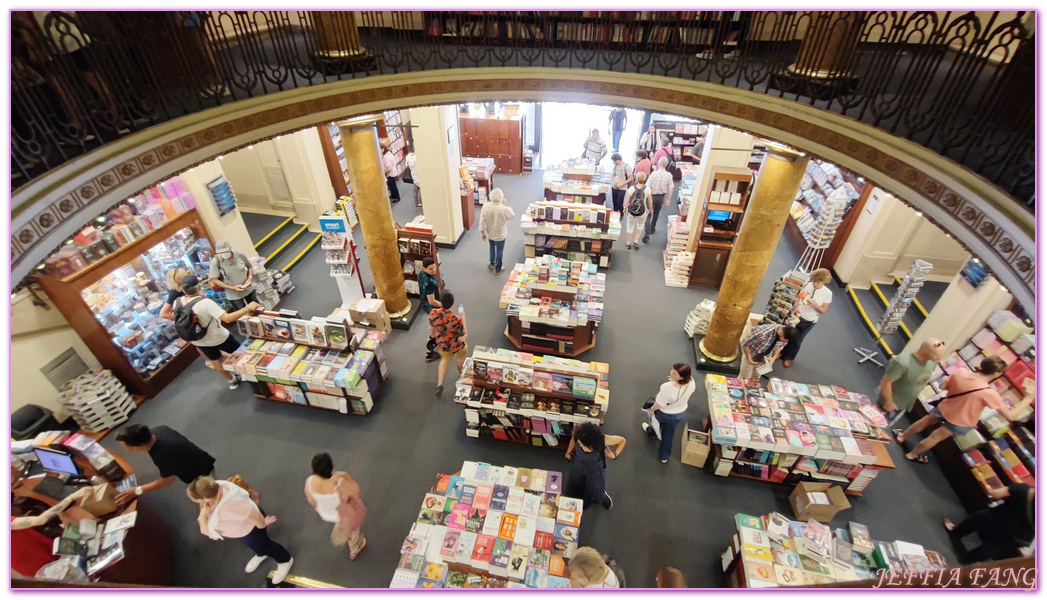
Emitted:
<point x="765" y="216"/>
<point x="828" y="44"/>
<point x="360" y="141"/>
<point x="336" y="35"/>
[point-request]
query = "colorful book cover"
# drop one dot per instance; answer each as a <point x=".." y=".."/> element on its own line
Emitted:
<point x="449" y="545"/>
<point x="481" y="556"/>
<point x="455" y="489"/>
<point x="562" y="383"/>
<point x="554" y="482"/>
<point x="317" y="335"/>
<point x="557" y="565"/>
<point x="336" y="335"/>
<point x="500" y="497"/>
<point x="742" y="520"/>
<point x="432" y="517"/>
<point x="483" y="471"/>
<point x="282" y="329"/>
<point x="584" y="387"/>
<point x="480" y="369"/>
<point x="500" y="556"/>
<point x="566" y="532"/>
<point x="459" y="517"/>
<point x="539" y="480"/>
<point x="507" y="530"/>
<point x="515" y="502"/>
<point x="518" y="562"/>
<point x="536" y="578"/>
<point x="568" y="503"/>
<point x="532" y="502"/>
<point x="464" y="550"/>
<point x="543" y="381"/>
<point x="492" y="523"/>
<point x="434" y="502"/>
<point x="523" y="478"/>
<point x="468" y="493"/>
<point x="543" y="541"/>
<point x="548" y="506"/>
<point x="494" y="372"/>
<point x="475" y="522"/>
<point x="482" y="498"/>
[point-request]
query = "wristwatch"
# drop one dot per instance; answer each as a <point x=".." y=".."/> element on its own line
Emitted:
<point x="139" y="491"/>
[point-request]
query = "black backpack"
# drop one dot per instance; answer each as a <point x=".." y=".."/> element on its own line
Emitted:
<point x="638" y="201"/>
<point x="187" y="324"/>
<point x="671" y="167"/>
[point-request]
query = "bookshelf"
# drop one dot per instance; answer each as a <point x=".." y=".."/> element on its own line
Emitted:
<point x="774" y="551"/>
<point x="497" y="138"/>
<point x="719" y="220"/>
<point x="795" y="432"/>
<point x="783" y="296"/>
<point x="576" y="180"/>
<point x="826" y="186"/>
<point x="530" y="399"/>
<point x="416" y="244"/>
<point x="492" y="527"/>
<point x="567" y="230"/>
<point x="682" y="134"/>
<point x="321" y="362"/>
<point x="339" y="153"/>
<point x="481" y="170"/>
<point x="553" y="305"/>
<point x="391" y="128"/>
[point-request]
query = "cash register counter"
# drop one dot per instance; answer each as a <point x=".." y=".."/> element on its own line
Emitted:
<point x="148" y="550"/>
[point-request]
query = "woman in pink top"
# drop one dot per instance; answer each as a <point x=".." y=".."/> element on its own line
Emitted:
<point x="336" y="498"/>
<point x="227" y="511"/>
<point x="967" y="395"/>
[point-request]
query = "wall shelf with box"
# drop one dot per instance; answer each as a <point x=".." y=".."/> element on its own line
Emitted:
<point x="584" y="233"/>
<point x="530" y="399"/>
<point x="719" y="221"/>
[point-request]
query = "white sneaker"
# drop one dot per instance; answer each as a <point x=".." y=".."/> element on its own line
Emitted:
<point x="282" y="569"/>
<point x="254" y="563"/>
<point x="236" y="381"/>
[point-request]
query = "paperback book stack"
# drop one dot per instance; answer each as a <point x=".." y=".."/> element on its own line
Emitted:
<point x="270" y="286"/>
<point x="97" y="401"/>
<point x="347" y="206"/>
<point x="698" y="319"/>
<point x="794" y="431"/>
<point x="318" y="362"/>
<point x="93" y="546"/>
<point x="525" y="291"/>
<point x="775" y="551"/>
<point x="491" y="527"/>
<point x="783" y="295"/>
<point x="676" y="260"/>
<point x="566" y="230"/>
<point x="528" y="398"/>
<point x="903" y="298"/>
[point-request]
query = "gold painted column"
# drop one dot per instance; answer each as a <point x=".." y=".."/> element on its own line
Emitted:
<point x="765" y="216"/>
<point x="336" y="35"/>
<point x="828" y="44"/>
<point x="360" y="141"/>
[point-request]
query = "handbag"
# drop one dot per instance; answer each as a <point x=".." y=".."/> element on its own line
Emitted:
<point x="239" y="482"/>
<point x="101" y="501"/>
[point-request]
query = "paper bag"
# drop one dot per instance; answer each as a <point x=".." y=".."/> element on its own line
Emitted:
<point x="655" y="425"/>
<point x="101" y="501"/>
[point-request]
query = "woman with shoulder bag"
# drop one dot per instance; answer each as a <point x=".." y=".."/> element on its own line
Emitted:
<point x="336" y="498"/>
<point x="669" y="408"/>
<point x="226" y="511"/>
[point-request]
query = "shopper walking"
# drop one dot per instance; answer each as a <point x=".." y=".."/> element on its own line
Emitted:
<point x="643" y="163"/>
<point x="664" y="150"/>
<point x="450" y="333"/>
<point x="216" y="338"/>
<point x="669" y="408"/>
<point x="174" y="456"/>
<point x="621" y="177"/>
<point x="649" y="141"/>
<point x="588" y="452"/>
<point x="967" y="395"/>
<point x="811" y="303"/>
<point x="640" y="201"/>
<point x="494" y="227"/>
<point x="336" y="498"/>
<point x="763" y="344"/>
<point x="232" y="272"/>
<point x="429" y="291"/>
<point x="661" y="185"/>
<point x="389" y="166"/>
<point x="226" y="511"/>
<point x="594" y="148"/>
<point x="412" y="167"/>
<point x="589" y="570"/>
<point x="616" y="125"/>
<point x="906" y="376"/>
<point x="1002" y="529"/>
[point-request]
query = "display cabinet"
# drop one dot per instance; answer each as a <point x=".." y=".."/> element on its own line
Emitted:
<point x="114" y="304"/>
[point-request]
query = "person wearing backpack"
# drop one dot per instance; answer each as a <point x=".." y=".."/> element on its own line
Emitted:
<point x="199" y="320"/>
<point x="639" y="201"/>
<point x="232" y="272"/>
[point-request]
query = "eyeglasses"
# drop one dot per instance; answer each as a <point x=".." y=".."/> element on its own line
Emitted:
<point x="939" y="344"/>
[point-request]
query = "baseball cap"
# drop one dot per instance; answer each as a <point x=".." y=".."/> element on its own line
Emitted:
<point x="223" y="247"/>
<point x="190" y="281"/>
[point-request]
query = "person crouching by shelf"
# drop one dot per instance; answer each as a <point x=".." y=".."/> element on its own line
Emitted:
<point x="494" y="227"/>
<point x="450" y="333"/>
<point x="669" y="408"/>
<point x="1000" y="531"/>
<point x="764" y="343"/>
<point x="588" y="452"/>
<point x="174" y="456"/>
<point x="429" y="291"/>
<point x="217" y="339"/>
<point x="905" y="377"/>
<point x="811" y="302"/>
<point x="227" y="511"/>
<point x="232" y="272"/>
<point x="967" y="395"/>
<point x="336" y="498"/>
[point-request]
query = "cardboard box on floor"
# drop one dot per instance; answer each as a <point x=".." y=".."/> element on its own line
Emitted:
<point x="696" y="452"/>
<point x="805" y="511"/>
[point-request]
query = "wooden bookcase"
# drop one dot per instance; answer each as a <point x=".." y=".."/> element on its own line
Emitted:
<point x="716" y="235"/>
<point x="65" y="293"/>
<point x="408" y="255"/>
<point x="497" y="138"/>
<point x="391" y="128"/>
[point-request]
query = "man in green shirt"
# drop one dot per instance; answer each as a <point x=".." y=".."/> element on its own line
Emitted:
<point x="905" y="378"/>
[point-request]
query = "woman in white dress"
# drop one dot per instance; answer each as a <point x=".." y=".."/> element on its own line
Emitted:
<point x="336" y="498"/>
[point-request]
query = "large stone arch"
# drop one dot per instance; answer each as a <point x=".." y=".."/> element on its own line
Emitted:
<point x="980" y="216"/>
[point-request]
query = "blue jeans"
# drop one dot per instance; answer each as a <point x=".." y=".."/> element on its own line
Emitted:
<point x="669" y="424"/>
<point x="260" y="543"/>
<point x="616" y="136"/>
<point x="496" y="253"/>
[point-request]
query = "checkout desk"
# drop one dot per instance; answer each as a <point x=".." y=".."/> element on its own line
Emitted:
<point x="148" y="550"/>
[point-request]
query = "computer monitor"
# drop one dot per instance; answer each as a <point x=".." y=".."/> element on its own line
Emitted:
<point x="719" y="215"/>
<point x="59" y="462"/>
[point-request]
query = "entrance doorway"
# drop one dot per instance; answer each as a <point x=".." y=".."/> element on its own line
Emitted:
<point x="566" y="125"/>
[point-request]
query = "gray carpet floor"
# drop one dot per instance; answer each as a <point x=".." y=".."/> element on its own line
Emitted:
<point x="670" y="514"/>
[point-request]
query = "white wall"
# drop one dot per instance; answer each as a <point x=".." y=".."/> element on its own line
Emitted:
<point x="960" y="313"/>
<point x="438" y="163"/>
<point x="229" y="228"/>
<point x="246" y="176"/>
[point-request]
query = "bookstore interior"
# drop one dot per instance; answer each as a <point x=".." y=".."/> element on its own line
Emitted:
<point x="790" y="479"/>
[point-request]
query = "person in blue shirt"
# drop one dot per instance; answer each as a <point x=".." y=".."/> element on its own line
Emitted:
<point x="429" y="291"/>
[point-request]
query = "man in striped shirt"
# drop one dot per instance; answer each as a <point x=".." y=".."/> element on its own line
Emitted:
<point x="661" y="185"/>
<point x="595" y="148"/>
<point x="764" y="342"/>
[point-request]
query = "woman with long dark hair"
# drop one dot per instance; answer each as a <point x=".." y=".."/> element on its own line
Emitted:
<point x="670" y="407"/>
<point x="336" y="498"/>
<point x="588" y="452"/>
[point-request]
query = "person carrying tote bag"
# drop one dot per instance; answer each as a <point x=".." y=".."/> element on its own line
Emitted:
<point x="670" y="408"/>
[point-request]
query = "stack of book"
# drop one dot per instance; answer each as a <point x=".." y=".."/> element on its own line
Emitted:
<point x="677" y="240"/>
<point x="97" y="401"/>
<point x="904" y="296"/>
<point x="94" y="546"/>
<point x="530" y="279"/>
<point x="794" y="431"/>
<point x="775" y="551"/>
<point x="698" y="319"/>
<point x="347" y="206"/>
<point x="269" y="286"/>
<point x="679" y="272"/>
<point x="530" y="399"/>
<point x="783" y="296"/>
<point x="491" y="527"/>
<point x="567" y="230"/>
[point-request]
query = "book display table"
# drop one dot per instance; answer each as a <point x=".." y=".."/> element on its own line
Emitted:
<point x="566" y="230"/>
<point x="576" y="180"/>
<point x="528" y="398"/>
<point x="491" y="527"/>
<point x="553" y="305"/>
<point x="774" y="551"/>
<point x="793" y="432"/>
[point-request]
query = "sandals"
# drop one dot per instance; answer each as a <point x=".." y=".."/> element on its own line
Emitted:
<point x="897" y="433"/>
<point x="922" y="459"/>
<point x="353" y="555"/>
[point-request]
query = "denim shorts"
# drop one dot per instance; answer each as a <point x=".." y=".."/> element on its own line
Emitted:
<point x="955" y="429"/>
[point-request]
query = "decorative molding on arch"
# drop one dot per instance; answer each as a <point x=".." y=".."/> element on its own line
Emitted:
<point x="982" y="217"/>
